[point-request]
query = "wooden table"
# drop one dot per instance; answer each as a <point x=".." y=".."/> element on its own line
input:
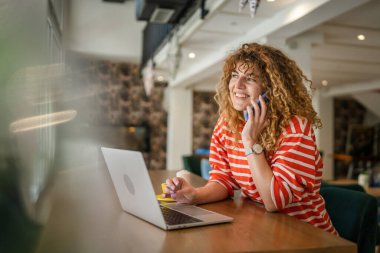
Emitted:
<point x="86" y="217"/>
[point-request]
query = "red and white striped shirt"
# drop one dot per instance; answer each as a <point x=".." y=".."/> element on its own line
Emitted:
<point x="296" y="165"/>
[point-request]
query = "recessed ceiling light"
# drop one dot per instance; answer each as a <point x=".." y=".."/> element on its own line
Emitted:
<point x="192" y="55"/>
<point x="325" y="82"/>
<point x="160" y="78"/>
<point x="271" y="0"/>
<point x="361" y="37"/>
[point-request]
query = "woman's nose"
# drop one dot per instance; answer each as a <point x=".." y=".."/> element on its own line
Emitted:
<point x="240" y="82"/>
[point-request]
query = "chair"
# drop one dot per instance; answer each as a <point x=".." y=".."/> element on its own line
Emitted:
<point x="353" y="187"/>
<point x="354" y="215"/>
<point x="357" y="187"/>
<point x="192" y="163"/>
<point x="205" y="168"/>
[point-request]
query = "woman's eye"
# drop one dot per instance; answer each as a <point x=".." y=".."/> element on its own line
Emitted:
<point x="250" y="79"/>
<point x="234" y="75"/>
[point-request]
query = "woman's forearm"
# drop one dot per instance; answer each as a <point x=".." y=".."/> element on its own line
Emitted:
<point x="211" y="192"/>
<point x="262" y="176"/>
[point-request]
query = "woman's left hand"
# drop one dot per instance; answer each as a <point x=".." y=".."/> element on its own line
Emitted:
<point x="255" y="124"/>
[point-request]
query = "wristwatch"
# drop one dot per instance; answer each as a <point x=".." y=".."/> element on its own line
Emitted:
<point x="255" y="149"/>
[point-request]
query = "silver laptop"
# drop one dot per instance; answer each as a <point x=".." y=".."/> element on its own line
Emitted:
<point x="137" y="197"/>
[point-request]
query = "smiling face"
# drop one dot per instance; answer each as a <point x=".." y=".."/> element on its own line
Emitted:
<point x="245" y="85"/>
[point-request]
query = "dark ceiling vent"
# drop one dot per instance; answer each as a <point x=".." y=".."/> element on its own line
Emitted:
<point x="160" y="11"/>
<point x="115" y="1"/>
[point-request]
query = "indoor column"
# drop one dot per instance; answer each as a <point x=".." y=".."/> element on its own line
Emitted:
<point x="180" y="115"/>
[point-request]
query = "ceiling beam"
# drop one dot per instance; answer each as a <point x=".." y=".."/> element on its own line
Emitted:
<point x="330" y="65"/>
<point x="326" y="10"/>
<point x="339" y="52"/>
<point x="350" y="89"/>
<point x="311" y="13"/>
<point x="344" y="34"/>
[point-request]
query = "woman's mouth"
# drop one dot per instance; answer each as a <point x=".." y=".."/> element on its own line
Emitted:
<point x="241" y="95"/>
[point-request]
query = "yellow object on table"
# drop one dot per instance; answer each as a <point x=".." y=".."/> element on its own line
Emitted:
<point x="161" y="198"/>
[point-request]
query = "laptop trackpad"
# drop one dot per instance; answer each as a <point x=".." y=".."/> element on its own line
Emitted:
<point x="189" y="209"/>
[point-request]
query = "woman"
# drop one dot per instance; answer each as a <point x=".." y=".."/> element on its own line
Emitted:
<point x="272" y="157"/>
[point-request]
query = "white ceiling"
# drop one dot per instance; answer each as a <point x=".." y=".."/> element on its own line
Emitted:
<point x="104" y="30"/>
<point x="342" y="58"/>
<point x="332" y="25"/>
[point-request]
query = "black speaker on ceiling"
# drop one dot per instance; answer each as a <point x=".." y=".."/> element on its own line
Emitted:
<point x="115" y="1"/>
<point x="161" y="11"/>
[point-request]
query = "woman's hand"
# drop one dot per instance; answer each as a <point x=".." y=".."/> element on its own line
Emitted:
<point x="180" y="190"/>
<point x="255" y="124"/>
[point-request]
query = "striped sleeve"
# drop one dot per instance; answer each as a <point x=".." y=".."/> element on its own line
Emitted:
<point x="221" y="171"/>
<point x="294" y="164"/>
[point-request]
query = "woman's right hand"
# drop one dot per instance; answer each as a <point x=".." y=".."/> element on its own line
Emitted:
<point x="180" y="190"/>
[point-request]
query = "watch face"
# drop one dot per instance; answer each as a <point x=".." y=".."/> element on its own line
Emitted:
<point x="257" y="148"/>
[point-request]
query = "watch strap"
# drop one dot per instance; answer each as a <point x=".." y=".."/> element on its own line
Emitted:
<point x="248" y="151"/>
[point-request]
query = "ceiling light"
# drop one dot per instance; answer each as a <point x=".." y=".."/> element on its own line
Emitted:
<point x="271" y="0"/>
<point x="192" y="55"/>
<point x="325" y="82"/>
<point x="160" y="78"/>
<point x="361" y="37"/>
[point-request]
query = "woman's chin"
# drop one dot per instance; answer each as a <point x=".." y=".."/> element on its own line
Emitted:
<point x="239" y="108"/>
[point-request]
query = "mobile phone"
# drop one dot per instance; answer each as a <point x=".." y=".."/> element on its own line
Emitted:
<point x="265" y="97"/>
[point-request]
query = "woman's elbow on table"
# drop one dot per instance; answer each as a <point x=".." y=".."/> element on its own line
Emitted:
<point x="271" y="208"/>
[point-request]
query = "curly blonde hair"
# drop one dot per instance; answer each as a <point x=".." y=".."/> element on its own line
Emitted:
<point x="284" y="82"/>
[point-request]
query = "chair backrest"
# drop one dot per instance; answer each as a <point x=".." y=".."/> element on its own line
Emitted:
<point x="354" y="187"/>
<point x="205" y="168"/>
<point x="192" y="163"/>
<point x="354" y="215"/>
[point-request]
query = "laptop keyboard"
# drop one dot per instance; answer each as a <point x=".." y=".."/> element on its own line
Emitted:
<point x="173" y="217"/>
